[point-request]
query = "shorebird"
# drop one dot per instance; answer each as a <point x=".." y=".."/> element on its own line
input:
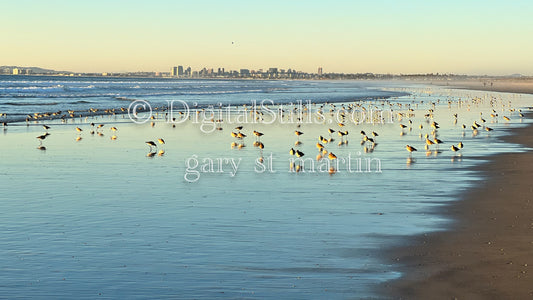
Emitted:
<point x="151" y="144"/>
<point x="292" y="151"/>
<point x="429" y="142"/>
<point x="488" y="129"/>
<point x="331" y="131"/>
<point x="342" y="134"/>
<point x="411" y="149"/>
<point x="79" y="130"/>
<point x="46" y="127"/>
<point x="161" y="141"/>
<point x="41" y="138"/>
<point x="298" y="133"/>
<point x="455" y="149"/>
<point x="437" y="141"/>
<point x="114" y="129"/>
<point x="460" y="145"/>
<point x="258" y="134"/>
<point x="239" y="128"/>
<point x="332" y="156"/>
<point x="506" y="118"/>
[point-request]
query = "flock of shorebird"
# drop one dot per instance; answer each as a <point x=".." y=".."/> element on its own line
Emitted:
<point x="97" y="129"/>
<point x="431" y="140"/>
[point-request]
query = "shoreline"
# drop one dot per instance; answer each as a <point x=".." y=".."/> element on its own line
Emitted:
<point x="505" y="85"/>
<point x="486" y="252"/>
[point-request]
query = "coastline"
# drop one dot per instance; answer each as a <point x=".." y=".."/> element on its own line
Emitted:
<point x="486" y="253"/>
<point x="503" y="85"/>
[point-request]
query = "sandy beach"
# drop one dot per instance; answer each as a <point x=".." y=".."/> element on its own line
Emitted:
<point x="487" y="253"/>
<point x="505" y="85"/>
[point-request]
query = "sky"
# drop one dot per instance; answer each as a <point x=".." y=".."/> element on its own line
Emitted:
<point x="461" y="37"/>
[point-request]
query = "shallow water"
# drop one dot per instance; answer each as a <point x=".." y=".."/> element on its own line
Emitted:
<point x="97" y="218"/>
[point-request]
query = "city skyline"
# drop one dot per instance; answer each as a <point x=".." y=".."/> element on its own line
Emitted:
<point x="341" y="36"/>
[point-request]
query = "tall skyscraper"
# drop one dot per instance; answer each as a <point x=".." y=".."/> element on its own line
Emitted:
<point x="180" y="71"/>
<point x="174" y="72"/>
<point x="319" y="70"/>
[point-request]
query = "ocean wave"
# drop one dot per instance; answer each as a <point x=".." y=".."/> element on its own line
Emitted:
<point x="80" y="102"/>
<point x="30" y="104"/>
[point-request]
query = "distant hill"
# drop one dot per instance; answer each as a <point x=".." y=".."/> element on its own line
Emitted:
<point x="33" y="70"/>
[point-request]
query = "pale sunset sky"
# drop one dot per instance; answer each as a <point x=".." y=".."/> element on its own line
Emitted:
<point x="462" y="37"/>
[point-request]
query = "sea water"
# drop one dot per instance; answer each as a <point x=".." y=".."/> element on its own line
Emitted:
<point x="97" y="218"/>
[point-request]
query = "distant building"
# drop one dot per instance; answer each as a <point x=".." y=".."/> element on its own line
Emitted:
<point x="174" y="72"/>
<point x="319" y="71"/>
<point x="273" y="70"/>
<point x="16" y="71"/>
<point x="244" y="72"/>
<point x="180" y="71"/>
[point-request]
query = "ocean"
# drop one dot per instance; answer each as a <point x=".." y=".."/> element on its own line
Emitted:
<point x="94" y="217"/>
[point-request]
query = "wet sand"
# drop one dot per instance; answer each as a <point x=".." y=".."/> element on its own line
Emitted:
<point x="487" y="254"/>
<point x="506" y="85"/>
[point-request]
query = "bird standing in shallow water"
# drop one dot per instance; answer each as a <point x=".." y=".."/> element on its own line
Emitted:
<point x="151" y="144"/>
<point x="298" y="133"/>
<point x="411" y="149"/>
<point x="41" y="138"/>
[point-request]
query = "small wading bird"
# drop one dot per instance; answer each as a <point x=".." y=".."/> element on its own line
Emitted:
<point x="161" y="141"/>
<point x="332" y="169"/>
<point x="151" y="144"/>
<point x="41" y="138"/>
<point x="411" y="149"/>
<point x="258" y="135"/>
<point x="298" y="133"/>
